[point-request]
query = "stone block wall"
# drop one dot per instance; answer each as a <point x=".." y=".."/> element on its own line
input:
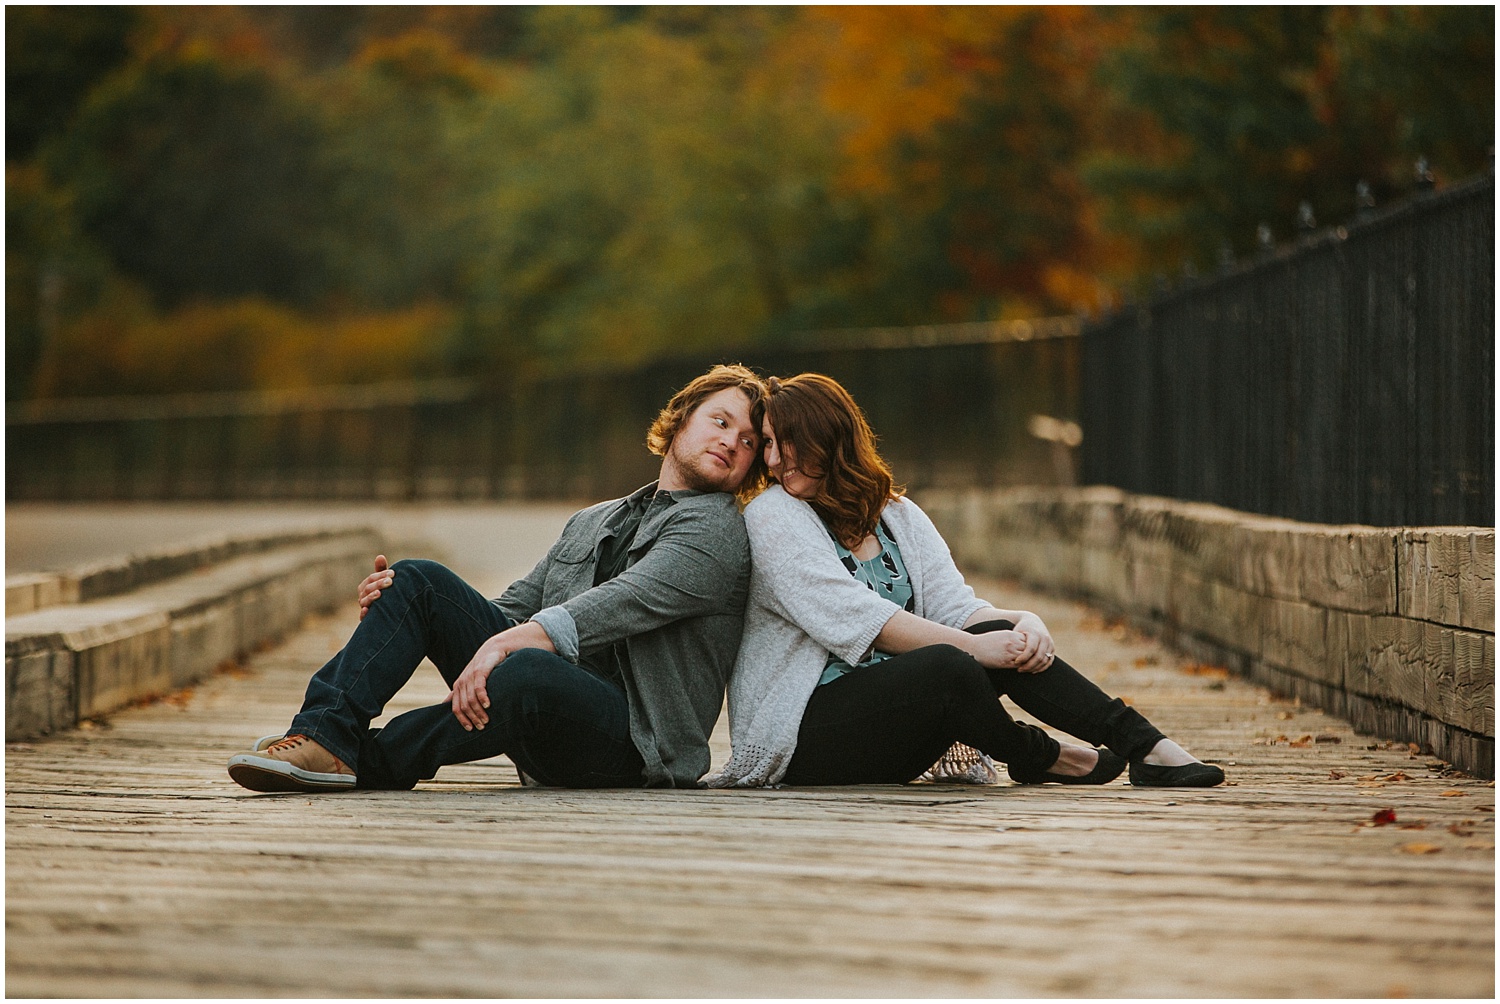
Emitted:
<point x="1392" y="628"/>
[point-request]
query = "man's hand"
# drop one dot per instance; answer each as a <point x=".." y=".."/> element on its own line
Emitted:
<point x="369" y="590"/>
<point x="470" y="695"/>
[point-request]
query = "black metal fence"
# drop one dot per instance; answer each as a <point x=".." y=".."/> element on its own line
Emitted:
<point x="1348" y="379"/>
<point x="951" y="405"/>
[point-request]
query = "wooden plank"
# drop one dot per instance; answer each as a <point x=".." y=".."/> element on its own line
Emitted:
<point x="135" y="868"/>
<point x="1448" y="576"/>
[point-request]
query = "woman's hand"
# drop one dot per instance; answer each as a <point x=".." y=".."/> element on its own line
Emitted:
<point x="999" y="649"/>
<point x="1041" y="651"/>
<point x="369" y="589"/>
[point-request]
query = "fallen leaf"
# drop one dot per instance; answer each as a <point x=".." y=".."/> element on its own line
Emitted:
<point x="1420" y="848"/>
<point x="1397" y="776"/>
<point x="1452" y="793"/>
<point x="1336" y="775"/>
<point x="1204" y="669"/>
<point x="1304" y="741"/>
<point x="1420" y="824"/>
<point x="1479" y="847"/>
<point x="1485" y="808"/>
<point x="1146" y="660"/>
<point x="1327" y="737"/>
<point x="1459" y="830"/>
<point x="1383" y="816"/>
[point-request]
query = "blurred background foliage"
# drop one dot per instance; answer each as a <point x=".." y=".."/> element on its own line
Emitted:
<point x="217" y="198"/>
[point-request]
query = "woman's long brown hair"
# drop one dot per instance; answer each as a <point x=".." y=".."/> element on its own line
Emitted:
<point x="830" y="439"/>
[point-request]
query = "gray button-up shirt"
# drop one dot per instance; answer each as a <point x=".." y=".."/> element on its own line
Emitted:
<point x="679" y="605"/>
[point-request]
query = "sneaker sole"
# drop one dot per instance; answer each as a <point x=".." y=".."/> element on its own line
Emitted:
<point x="264" y="774"/>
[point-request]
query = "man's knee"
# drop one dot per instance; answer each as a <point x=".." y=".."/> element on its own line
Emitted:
<point x="521" y="679"/>
<point x="419" y="573"/>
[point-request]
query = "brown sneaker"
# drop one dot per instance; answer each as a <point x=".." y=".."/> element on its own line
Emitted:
<point x="295" y="763"/>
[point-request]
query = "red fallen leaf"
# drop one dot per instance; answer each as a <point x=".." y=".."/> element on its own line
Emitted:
<point x="1383" y="816"/>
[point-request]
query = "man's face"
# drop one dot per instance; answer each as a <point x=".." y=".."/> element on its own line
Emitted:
<point x="715" y="446"/>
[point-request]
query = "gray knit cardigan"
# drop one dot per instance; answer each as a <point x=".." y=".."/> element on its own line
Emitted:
<point x="803" y="605"/>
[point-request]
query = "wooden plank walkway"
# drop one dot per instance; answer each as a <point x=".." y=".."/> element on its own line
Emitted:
<point x="134" y="867"/>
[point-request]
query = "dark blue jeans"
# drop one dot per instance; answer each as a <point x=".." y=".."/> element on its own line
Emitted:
<point x="558" y="722"/>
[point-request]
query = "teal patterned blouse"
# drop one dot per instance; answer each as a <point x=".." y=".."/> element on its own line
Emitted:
<point x="886" y="575"/>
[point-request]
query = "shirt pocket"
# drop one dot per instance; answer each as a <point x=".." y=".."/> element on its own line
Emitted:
<point x="570" y="572"/>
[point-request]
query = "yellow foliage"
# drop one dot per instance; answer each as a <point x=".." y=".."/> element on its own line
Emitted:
<point x="123" y="346"/>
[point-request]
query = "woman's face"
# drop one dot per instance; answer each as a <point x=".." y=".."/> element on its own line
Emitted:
<point x="783" y="465"/>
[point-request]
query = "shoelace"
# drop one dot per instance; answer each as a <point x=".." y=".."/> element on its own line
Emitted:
<point x="285" y="745"/>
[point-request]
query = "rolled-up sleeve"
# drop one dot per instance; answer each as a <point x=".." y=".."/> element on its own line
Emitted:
<point x="561" y="628"/>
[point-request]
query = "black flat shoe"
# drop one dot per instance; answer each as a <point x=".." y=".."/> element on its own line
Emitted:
<point x="1106" y="770"/>
<point x="1188" y="775"/>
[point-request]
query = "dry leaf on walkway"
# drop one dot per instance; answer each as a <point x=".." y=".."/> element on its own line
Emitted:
<point x="1204" y="669"/>
<point x="1420" y="848"/>
<point x="1459" y="830"/>
<point x="1326" y="737"/>
<point x="1304" y="741"/>
<point x="1420" y="824"/>
<point x="1336" y="775"/>
<point x="1383" y="816"/>
<point x="1451" y="793"/>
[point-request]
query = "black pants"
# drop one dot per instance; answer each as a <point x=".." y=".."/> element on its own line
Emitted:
<point x="887" y="723"/>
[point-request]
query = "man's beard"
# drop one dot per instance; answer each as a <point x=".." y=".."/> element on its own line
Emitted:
<point x="692" y="474"/>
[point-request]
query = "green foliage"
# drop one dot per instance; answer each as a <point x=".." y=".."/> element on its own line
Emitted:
<point x="201" y="178"/>
<point x="1227" y="117"/>
<point x="53" y="57"/>
<point x="230" y="197"/>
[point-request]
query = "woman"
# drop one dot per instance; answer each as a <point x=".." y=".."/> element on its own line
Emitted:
<point x="866" y="655"/>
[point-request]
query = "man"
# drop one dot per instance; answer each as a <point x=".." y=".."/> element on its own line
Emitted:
<point x="604" y="667"/>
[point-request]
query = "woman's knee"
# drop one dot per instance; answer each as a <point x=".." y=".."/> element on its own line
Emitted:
<point x="951" y="668"/>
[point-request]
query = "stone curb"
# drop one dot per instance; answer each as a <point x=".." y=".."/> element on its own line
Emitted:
<point x="30" y="591"/>
<point x="65" y="663"/>
<point x="1390" y="627"/>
